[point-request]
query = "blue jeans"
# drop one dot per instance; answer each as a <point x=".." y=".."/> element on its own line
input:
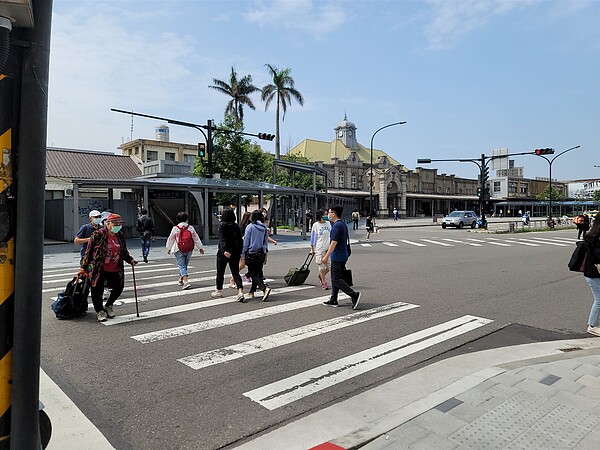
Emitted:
<point x="594" y="319"/>
<point x="183" y="259"/>
<point x="146" y="241"/>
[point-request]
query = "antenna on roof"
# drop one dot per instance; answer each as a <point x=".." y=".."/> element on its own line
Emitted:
<point x="131" y="135"/>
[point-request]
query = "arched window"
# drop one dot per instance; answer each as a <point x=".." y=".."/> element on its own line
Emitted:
<point x="341" y="180"/>
<point x="415" y="188"/>
<point x="447" y="190"/>
<point x="353" y="180"/>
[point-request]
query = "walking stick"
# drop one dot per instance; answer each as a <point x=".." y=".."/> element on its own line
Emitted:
<point x="137" y="311"/>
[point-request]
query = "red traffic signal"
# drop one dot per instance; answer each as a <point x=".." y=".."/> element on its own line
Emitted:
<point x="266" y="137"/>
<point x="544" y="151"/>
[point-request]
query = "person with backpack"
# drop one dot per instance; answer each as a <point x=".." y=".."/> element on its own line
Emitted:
<point x="182" y="241"/>
<point x="229" y="253"/>
<point x="145" y="226"/>
<point x="86" y="230"/>
<point x="592" y="275"/>
<point x="355" y="219"/>
<point x="256" y="239"/>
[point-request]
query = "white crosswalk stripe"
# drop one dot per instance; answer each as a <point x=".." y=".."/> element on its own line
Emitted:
<point x="443" y="244"/>
<point x="288" y="390"/>
<point x="417" y="244"/>
<point x="549" y="242"/>
<point x="510" y="241"/>
<point x="461" y="242"/>
<point x="365" y="245"/>
<point x="390" y="244"/>
<point x="489" y="242"/>
<point x="74" y="270"/>
<point x="236" y="351"/>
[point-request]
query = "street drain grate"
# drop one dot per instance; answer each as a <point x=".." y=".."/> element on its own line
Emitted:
<point x="570" y="349"/>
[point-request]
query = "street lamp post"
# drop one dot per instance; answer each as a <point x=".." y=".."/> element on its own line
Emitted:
<point x="371" y="176"/>
<point x="550" y="161"/>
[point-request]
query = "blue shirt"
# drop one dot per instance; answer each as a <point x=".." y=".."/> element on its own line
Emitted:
<point x="85" y="232"/>
<point x="339" y="233"/>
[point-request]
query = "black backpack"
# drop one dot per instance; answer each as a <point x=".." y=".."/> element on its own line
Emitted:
<point x="72" y="302"/>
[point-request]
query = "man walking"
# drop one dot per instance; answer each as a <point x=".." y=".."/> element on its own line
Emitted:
<point x="86" y="230"/>
<point x="355" y="217"/>
<point x="338" y="251"/>
<point x="145" y="226"/>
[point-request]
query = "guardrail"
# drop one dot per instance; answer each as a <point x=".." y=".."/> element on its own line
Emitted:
<point x="512" y="226"/>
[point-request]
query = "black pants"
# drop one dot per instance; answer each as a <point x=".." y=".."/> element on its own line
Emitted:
<point x="580" y="231"/>
<point x="337" y="282"/>
<point x="113" y="282"/>
<point x="355" y="224"/>
<point x="255" y="272"/>
<point x="234" y="266"/>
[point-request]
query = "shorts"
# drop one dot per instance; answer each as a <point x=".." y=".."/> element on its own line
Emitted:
<point x="318" y="257"/>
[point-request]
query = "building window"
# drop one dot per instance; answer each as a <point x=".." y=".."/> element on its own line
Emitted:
<point x="341" y="180"/>
<point x="496" y="186"/>
<point x="524" y="188"/>
<point x="189" y="159"/>
<point x="447" y="190"/>
<point x="353" y="180"/>
<point x="151" y="155"/>
<point x="169" y="156"/>
<point x="415" y="188"/>
<point x="512" y="188"/>
<point x="439" y="189"/>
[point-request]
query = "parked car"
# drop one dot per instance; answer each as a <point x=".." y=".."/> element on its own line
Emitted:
<point x="460" y="219"/>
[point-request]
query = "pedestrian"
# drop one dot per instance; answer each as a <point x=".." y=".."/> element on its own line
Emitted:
<point x="182" y="241"/>
<point x="145" y="226"/>
<point x="355" y="218"/>
<point x="395" y="212"/>
<point x="243" y="224"/>
<point x="103" y="262"/>
<point x="309" y="219"/>
<point x="338" y="251"/>
<point x="83" y="235"/>
<point x="319" y="243"/>
<point x="229" y="253"/>
<point x="370" y="226"/>
<point x="592" y="276"/>
<point x="582" y="222"/>
<point x="255" y="250"/>
<point x="105" y="214"/>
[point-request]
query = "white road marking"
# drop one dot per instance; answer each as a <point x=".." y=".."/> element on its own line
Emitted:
<point x="389" y="244"/>
<point x="418" y="244"/>
<point x="518" y="242"/>
<point x="220" y="355"/>
<point x="288" y="390"/>
<point x="438" y="243"/>
<point x="488" y="242"/>
<point x="366" y="245"/>
<point x="545" y="241"/>
<point x="462" y="242"/>
<point x="224" y="321"/>
<point x="74" y="270"/>
<point x="193" y="306"/>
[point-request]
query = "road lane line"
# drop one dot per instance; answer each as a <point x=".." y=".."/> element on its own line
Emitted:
<point x="545" y="241"/>
<point x="288" y="390"/>
<point x="228" y="320"/>
<point x="438" y="243"/>
<point x="193" y="306"/>
<point x="487" y="242"/>
<point x="220" y="355"/>
<point x="517" y="242"/>
<point x="462" y="242"/>
<point x="390" y="244"/>
<point x="418" y="244"/>
<point x="366" y="245"/>
<point x="74" y="270"/>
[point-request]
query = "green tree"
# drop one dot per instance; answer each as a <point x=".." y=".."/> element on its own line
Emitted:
<point x="302" y="180"/>
<point x="545" y="195"/>
<point x="283" y="91"/>
<point x="239" y="91"/>
<point x="597" y="196"/>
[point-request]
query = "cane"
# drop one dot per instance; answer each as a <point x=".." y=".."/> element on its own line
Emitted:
<point x="137" y="311"/>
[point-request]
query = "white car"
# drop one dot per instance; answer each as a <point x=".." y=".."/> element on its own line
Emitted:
<point x="459" y="219"/>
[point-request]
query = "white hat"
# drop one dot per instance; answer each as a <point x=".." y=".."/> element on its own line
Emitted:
<point x="94" y="213"/>
<point x="105" y="214"/>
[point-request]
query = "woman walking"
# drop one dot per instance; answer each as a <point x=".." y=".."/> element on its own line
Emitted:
<point x="182" y="241"/>
<point x="243" y="224"/>
<point x="229" y="253"/>
<point x="370" y="226"/>
<point x="103" y="262"/>
<point x="592" y="276"/>
<point x="255" y="251"/>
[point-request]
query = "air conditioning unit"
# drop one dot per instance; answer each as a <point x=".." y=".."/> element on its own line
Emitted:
<point x="68" y="192"/>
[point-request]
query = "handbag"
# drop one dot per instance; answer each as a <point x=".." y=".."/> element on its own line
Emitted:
<point x="347" y="276"/>
<point x="578" y="258"/>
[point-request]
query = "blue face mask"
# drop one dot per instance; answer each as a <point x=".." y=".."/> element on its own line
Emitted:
<point x="97" y="220"/>
<point x="116" y="228"/>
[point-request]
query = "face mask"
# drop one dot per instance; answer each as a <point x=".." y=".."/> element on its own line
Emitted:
<point x="116" y="228"/>
<point x="97" y="220"/>
<point x="325" y="218"/>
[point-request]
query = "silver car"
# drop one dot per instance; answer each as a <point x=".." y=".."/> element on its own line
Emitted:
<point x="459" y="219"/>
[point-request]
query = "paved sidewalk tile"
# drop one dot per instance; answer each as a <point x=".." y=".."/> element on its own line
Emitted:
<point x="439" y="422"/>
<point x="536" y="388"/>
<point x="409" y="433"/>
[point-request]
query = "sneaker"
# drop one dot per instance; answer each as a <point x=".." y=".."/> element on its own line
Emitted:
<point x="355" y="300"/>
<point x="186" y="286"/>
<point x="216" y="294"/>
<point x="594" y="330"/>
<point x="240" y="298"/>
<point x="249" y="295"/>
<point x="101" y="316"/>
<point x="145" y="259"/>
<point x="332" y="303"/>
<point x="180" y="282"/>
<point x="324" y="286"/>
<point x="109" y="312"/>
<point x="266" y="294"/>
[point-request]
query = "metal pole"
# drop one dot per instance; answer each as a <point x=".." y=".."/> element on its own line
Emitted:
<point x="209" y="148"/>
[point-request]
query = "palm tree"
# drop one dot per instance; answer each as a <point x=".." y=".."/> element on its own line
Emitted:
<point x="283" y="88"/>
<point x="239" y="91"/>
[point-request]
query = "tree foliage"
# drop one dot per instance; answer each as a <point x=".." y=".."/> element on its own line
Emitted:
<point x="239" y="90"/>
<point x="597" y="196"/>
<point x="545" y="195"/>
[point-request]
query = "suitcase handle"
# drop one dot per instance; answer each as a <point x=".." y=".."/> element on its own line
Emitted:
<point x="307" y="262"/>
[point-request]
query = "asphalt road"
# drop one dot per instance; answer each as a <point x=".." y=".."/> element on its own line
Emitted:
<point x="141" y="386"/>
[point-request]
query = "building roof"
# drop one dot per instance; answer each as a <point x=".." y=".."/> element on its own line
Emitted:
<point x="324" y="151"/>
<point x="84" y="164"/>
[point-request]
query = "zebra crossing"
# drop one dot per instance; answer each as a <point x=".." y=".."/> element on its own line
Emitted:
<point x="474" y="242"/>
<point x="171" y="323"/>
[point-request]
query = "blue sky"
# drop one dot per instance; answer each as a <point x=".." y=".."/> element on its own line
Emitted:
<point x="468" y="76"/>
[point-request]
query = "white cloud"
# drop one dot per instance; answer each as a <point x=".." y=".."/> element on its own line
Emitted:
<point x="316" y="18"/>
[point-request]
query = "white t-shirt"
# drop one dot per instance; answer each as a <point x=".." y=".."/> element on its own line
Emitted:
<point x="319" y="236"/>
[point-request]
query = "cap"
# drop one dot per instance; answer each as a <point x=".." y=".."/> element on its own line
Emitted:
<point x="115" y="218"/>
<point x="105" y="214"/>
<point x="94" y="213"/>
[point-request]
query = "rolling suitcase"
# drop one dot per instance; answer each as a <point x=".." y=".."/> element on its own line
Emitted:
<point x="295" y="276"/>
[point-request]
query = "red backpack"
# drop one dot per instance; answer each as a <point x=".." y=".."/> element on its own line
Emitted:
<point x="185" y="241"/>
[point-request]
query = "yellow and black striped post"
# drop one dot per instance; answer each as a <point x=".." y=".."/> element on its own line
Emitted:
<point x="7" y="272"/>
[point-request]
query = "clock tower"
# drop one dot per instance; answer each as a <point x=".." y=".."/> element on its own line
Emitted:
<point x="345" y="131"/>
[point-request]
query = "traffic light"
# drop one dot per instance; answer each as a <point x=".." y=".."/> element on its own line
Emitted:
<point x="201" y="150"/>
<point x="544" y="151"/>
<point x="478" y="192"/>
<point x="266" y="137"/>
<point x="486" y="174"/>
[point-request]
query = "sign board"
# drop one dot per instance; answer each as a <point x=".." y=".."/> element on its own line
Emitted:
<point x="502" y="162"/>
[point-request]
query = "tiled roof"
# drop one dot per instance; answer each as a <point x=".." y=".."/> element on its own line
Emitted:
<point x="83" y="164"/>
<point x="315" y="150"/>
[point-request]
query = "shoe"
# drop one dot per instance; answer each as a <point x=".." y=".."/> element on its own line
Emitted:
<point x="145" y="259"/>
<point x="101" y="316"/>
<point x="594" y="330"/>
<point x="233" y="286"/>
<point x="247" y="279"/>
<point x="240" y="298"/>
<point x="109" y="312"/>
<point x="355" y="300"/>
<point x="266" y="294"/>
<point x="324" y="286"/>
<point x="332" y="303"/>
<point x="216" y="294"/>
<point x="186" y="286"/>
<point x="249" y="295"/>
<point x="180" y="282"/>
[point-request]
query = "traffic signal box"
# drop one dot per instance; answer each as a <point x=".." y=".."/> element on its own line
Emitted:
<point x="544" y="151"/>
<point x="266" y="136"/>
<point x="201" y="150"/>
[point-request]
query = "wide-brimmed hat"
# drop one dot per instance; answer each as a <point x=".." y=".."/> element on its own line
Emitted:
<point x="115" y="218"/>
<point x="94" y="213"/>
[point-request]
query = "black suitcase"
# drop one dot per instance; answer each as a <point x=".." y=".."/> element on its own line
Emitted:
<point x="295" y="276"/>
<point x="72" y="302"/>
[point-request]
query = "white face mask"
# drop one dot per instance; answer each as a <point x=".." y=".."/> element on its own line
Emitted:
<point x="116" y="228"/>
